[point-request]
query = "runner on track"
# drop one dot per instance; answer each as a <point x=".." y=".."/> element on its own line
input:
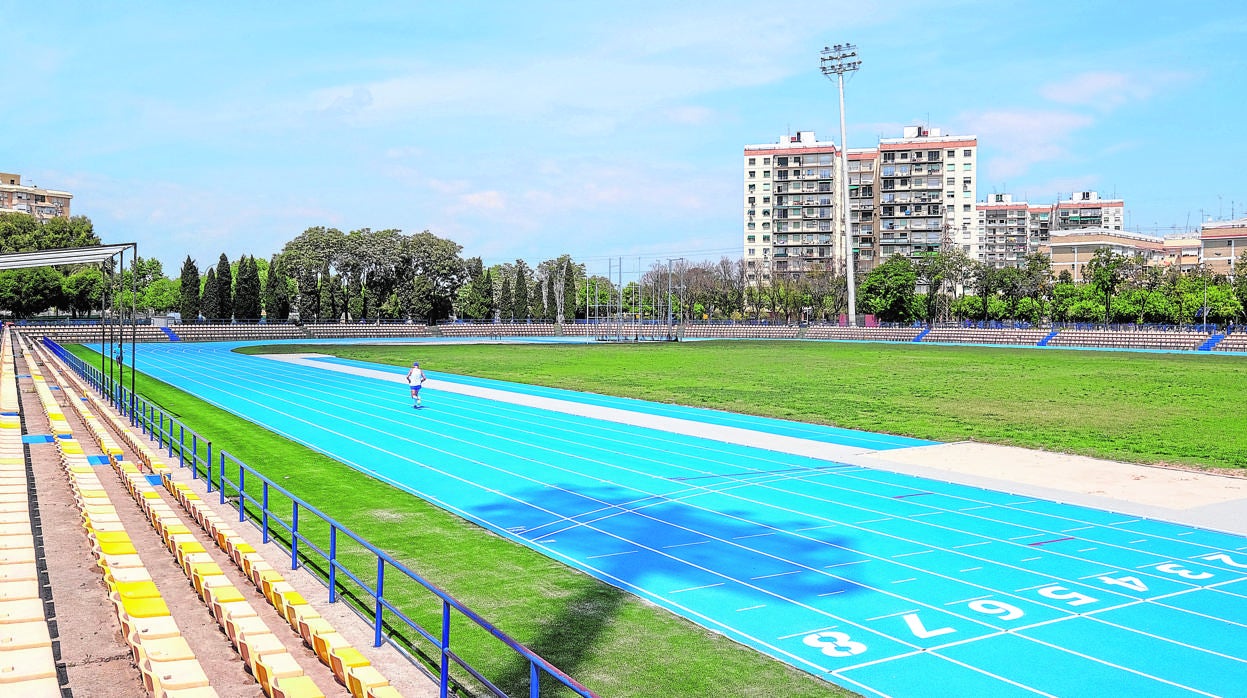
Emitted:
<point x="415" y="377"/>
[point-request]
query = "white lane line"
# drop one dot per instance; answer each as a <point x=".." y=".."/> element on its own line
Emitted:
<point x="815" y="528"/>
<point x="1077" y="528"/>
<point x="1031" y="559"/>
<point x="920" y="552"/>
<point x="886" y="518"/>
<point x="1118" y="523"/>
<point x="1136" y="542"/>
<point x="751" y="608"/>
<point x="703" y="586"/>
<point x="803" y="633"/>
<point x="842" y="564"/>
<point x="971" y="569"/>
<point x="833" y="593"/>
<point x="1028" y="535"/>
<point x="1086" y="550"/>
<point x="985" y="506"/>
<point x="755" y="535"/>
<point x="1185" y="533"/>
<point x="893" y="615"/>
<point x="970" y="545"/>
<point x="622" y="552"/>
<point x="681" y="545"/>
<point x="777" y="574"/>
<point x="902" y="581"/>
<point x="929" y="513"/>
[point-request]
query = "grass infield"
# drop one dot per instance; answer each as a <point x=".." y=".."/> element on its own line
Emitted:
<point x="608" y="639"/>
<point x="1136" y="407"/>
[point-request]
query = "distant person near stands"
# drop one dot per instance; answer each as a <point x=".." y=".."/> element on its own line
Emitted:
<point x="415" y="377"/>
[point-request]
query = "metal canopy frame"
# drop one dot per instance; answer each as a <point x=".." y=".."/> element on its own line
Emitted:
<point x="102" y="255"/>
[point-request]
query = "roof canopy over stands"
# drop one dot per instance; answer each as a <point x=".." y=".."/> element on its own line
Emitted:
<point x="68" y="255"/>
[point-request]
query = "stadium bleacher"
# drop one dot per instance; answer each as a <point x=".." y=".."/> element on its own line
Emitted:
<point x="167" y="663"/>
<point x="741" y="331"/>
<point x="236" y="332"/>
<point x="1236" y="341"/>
<point x="874" y="334"/>
<point x="499" y="329"/>
<point x="977" y="335"/>
<point x="345" y="330"/>
<point x="1137" y="339"/>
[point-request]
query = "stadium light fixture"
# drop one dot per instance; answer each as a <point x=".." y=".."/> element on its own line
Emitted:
<point x="838" y="60"/>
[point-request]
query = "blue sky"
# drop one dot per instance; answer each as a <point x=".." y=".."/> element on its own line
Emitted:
<point x="540" y="128"/>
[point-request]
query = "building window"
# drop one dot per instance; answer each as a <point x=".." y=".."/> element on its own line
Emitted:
<point x="766" y="174"/>
<point x="766" y="199"/>
<point x="750" y="226"/>
<point x="952" y="153"/>
<point x="752" y="174"/>
<point x="766" y="161"/>
<point x="751" y="200"/>
<point x="751" y="253"/>
<point x="950" y="167"/>
<point x="751" y="186"/>
<point x="965" y="153"/>
<point x="766" y="186"/>
<point x="766" y="238"/>
<point x="752" y="161"/>
<point x="766" y="225"/>
<point x="966" y="194"/>
<point x="951" y="181"/>
<point x="933" y="155"/>
<point x="965" y="207"/>
<point x="967" y="166"/>
<point x="966" y="181"/>
<point x="749" y="238"/>
<point x="889" y="157"/>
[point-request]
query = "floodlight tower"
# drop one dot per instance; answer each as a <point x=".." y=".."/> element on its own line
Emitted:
<point x="838" y="60"/>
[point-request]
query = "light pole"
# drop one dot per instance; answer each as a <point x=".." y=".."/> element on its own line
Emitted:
<point x="838" y="60"/>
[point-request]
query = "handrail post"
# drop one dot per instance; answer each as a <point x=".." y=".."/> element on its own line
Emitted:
<point x="195" y="456"/>
<point x="534" y="680"/>
<point x="376" y="637"/>
<point x="294" y="534"/>
<point x="242" y="480"/>
<point x="264" y="510"/>
<point x="333" y="563"/>
<point x="181" y="445"/>
<point x="443" y="679"/>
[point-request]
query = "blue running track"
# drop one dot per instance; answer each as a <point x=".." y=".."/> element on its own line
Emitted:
<point x="889" y="584"/>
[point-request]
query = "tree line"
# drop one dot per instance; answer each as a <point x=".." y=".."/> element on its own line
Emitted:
<point x="325" y="274"/>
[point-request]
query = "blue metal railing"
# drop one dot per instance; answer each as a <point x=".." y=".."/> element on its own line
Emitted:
<point x="251" y="495"/>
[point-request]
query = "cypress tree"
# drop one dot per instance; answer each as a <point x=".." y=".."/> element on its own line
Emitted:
<point x="519" y="301"/>
<point x="277" y="292"/>
<point x="537" y="301"/>
<point x="487" y="289"/>
<point x="506" y="307"/>
<point x="210" y="305"/>
<point x="189" y="305"/>
<point x="225" y="288"/>
<point x="247" y="295"/>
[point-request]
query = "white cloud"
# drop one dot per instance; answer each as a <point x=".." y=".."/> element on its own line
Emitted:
<point x="1020" y="138"/>
<point x="1108" y="89"/>
<point x="692" y="116"/>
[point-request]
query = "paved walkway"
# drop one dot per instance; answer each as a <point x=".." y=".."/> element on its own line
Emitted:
<point x="1196" y="498"/>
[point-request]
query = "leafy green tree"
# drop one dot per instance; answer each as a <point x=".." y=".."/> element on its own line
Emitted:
<point x="160" y="296"/>
<point x="83" y="290"/>
<point x="28" y="292"/>
<point x="247" y="293"/>
<point x="1106" y="271"/>
<point x="437" y="261"/>
<point x="1239" y="280"/>
<point x="888" y="290"/>
<point x="210" y="301"/>
<point x="986" y="281"/>
<point x="189" y="297"/>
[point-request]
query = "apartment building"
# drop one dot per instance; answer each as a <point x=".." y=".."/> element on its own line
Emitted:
<point x="904" y="194"/>
<point x="1008" y="230"/>
<point x="1222" y="243"/>
<point x="790" y="195"/>
<point x="1070" y="250"/>
<point x="927" y="185"/>
<point x="31" y="200"/>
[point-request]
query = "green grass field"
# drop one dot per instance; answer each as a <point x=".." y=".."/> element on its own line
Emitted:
<point x="608" y="639"/>
<point x="1145" y="408"/>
